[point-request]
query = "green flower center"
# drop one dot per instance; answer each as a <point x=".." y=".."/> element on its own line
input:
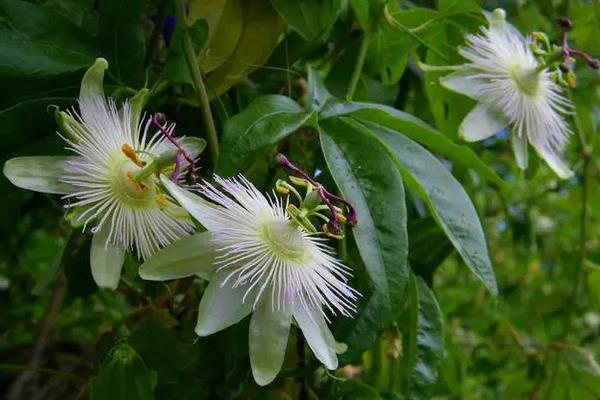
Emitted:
<point x="285" y="240"/>
<point x="135" y="193"/>
<point x="528" y="81"/>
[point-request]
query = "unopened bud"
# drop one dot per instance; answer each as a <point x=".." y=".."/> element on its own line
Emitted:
<point x="565" y="23"/>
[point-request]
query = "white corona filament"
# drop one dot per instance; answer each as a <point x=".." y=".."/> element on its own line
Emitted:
<point x="268" y="255"/>
<point x="134" y="212"/>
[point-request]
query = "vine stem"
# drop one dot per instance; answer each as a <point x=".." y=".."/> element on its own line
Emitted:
<point x="360" y="61"/>
<point x="16" y="390"/>
<point x="194" y="68"/>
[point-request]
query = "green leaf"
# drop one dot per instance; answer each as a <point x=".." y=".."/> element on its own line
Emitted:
<point x="312" y="19"/>
<point x="193" y="255"/>
<point x="161" y="349"/>
<point x="225" y="20"/>
<point x="448" y="202"/>
<point x="429" y="247"/>
<point x="356" y="390"/>
<point x="262" y="29"/>
<point x="429" y="343"/>
<point x="266" y="121"/>
<point x="318" y="94"/>
<point x="43" y="52"/>
<point x="40" y="173"/>
<point x="372" y="183"/>
<point x="361" y="10"/>
<point x="458" y="6"/>
<point x="32" y="23"/>
<point x="123" y="376"/>
<point x="121" y="37"/>
<point x="397" y="37"/>
<point x="417" y="130"/>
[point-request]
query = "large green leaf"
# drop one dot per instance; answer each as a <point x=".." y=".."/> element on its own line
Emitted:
<point x="370" y="180"/>
<point x="396" y="37"/>
<point x="448" y="202"/>
<point x="32" y="23"/>
<point x="225" y="20"/>
<point x="417" y="130"/>
<point x="426" y="346"/>
<point x="25" y="123"/>
<point x="267" y="120"/>
<point x="123" y="376"/>
<point x="121" y="35"/>
<point x="262" y="29"/>
<point x="42" y="52"/>
<point x="312" y="19"/>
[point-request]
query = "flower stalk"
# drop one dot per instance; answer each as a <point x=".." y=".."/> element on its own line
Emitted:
<point x="201" y="93"/>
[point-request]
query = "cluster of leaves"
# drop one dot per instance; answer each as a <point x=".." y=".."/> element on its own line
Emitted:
<point x="426" y="326"/>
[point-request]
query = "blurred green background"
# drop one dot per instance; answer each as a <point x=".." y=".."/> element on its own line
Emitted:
<point x="540" y="339"/>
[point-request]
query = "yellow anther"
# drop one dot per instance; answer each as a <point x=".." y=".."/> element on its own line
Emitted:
<point x="538" y="35"/>
<point x="342" y="218"/>
<point x="571" y="79"/>
<point x="298" y="181"/>
<point x="132" y="155"/>
<point x="330" y="234"/>
<point x="161" y="200"/>
<point x="139" y="185"/>
<point x="282" y="190"/>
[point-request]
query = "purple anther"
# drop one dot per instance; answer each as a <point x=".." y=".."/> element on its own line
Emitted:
<point x="181" y="152"/>
<point x="325" y="196"/>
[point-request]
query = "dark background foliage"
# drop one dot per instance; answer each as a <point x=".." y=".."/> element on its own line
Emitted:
<point x="428" y="328"/>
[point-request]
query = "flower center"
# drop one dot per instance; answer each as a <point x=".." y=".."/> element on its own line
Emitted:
<point x="134" y="193"/>
<point x="527" y="80"/>
<point x="285" y="240"/>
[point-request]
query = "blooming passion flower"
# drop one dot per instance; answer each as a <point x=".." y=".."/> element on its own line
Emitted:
<point x="259" y="261"/>
<point x="513" y="88"/>
<point x="111" y="183"/>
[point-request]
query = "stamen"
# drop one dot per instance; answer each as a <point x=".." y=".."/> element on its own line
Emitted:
<point x="161" y="200"/>
<point x="326" y="197"/>
<point x="139" y="185"/>
<point x="132" y="155"/>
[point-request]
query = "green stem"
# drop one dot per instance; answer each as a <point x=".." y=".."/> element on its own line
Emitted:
<point x="194" y="68"/>
<point x="582" y="241"/>
<point x="360" y="61"/>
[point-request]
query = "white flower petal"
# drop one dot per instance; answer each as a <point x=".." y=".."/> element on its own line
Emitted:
<point x="481" y="123"/>
<point x="91" y="84"/>
<point x="106" y="260"/>
<point x="40" y="174"/>
<point x="269" y="330"/>
<point x="465" y="82"/>
<point x="317" y="334"/>
<point x="519" y="146"/>
<point x="192" y="255"/>
<point x="195" y="205"/>
<point x="221" y="306"/>
<point x="554" y="161"/>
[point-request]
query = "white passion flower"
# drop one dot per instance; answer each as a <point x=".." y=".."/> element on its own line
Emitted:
<point x="512" y="89"/>
<point x="262" y="263"/>
<point x="102" y="181"/>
